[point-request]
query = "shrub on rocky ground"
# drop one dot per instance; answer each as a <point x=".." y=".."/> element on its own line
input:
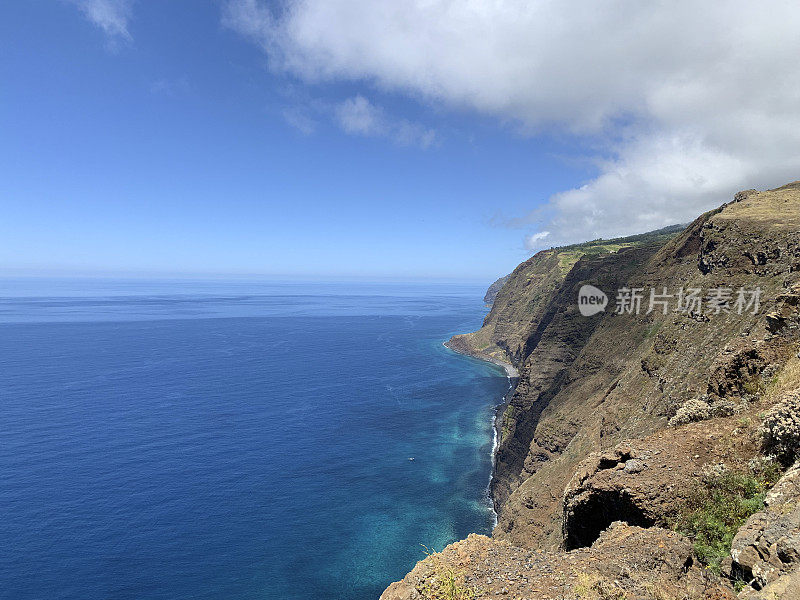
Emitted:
<point x="780" y="430"/>
<point x="706" y="407"/>
<point x="691" y="411"/>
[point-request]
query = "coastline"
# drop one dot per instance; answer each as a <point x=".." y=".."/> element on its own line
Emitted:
<point x="499" y="410"/>
<point x="511" y="370"/>
<point x="512" y="374"/>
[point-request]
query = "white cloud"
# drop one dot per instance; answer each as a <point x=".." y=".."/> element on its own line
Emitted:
<point x="300" y="119"/>
<point x="355" y="116"/>
<point x="690" y="100"/>
<point x="358" y="116"/>
<point x="110" y="15"/>
<point x="534" y="240"/>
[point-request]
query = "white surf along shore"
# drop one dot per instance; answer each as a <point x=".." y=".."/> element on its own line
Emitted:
<point x="512" y="374"/>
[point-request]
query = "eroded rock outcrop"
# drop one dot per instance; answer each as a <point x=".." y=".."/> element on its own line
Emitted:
<point x="647" y="482"/>
<point x="786" y="315"/>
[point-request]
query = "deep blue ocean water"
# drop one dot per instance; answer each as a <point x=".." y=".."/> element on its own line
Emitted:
<point x="218" y="440"/>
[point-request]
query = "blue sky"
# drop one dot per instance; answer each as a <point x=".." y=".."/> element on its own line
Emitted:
<point x="373" y="138"/>
<point x="171" y="153"/>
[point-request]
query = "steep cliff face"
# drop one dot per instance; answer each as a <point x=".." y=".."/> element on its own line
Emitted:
<point x="587" y="383"/>
<point x="603" y="425"/>
<point x="552" y="346"/>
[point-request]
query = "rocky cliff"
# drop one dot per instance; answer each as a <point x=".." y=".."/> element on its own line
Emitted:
<point x="494" y="289"/>
<point x="520" y="300"/>
<point x="626" y="424"/>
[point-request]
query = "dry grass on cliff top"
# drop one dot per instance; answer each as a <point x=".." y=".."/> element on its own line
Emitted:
<point x="778" y="208"/>
<point x="787" y="380"/>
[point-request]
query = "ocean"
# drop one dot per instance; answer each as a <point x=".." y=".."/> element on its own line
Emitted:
<point x="236" y="440"/>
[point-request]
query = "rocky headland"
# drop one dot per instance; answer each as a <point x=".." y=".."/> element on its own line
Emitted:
<point x="649" y="450"/>
<point x="493" y="290"/>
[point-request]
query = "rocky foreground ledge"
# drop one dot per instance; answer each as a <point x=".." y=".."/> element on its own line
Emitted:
<point x="652" y="455"/>
<point x="625" y="561"/>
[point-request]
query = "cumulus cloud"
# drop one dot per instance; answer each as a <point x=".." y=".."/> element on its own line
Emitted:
<point x="109" y="15"/>
<point x="356" y="116"/>
<point x="689" y="101"/>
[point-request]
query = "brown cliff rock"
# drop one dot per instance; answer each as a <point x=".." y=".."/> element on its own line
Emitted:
<point x="589" y="383"/>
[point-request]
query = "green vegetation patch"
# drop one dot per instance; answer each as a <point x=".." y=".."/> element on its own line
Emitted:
<point x="720" y="507"/>
<point x="507" y="416"/>
<point x="567" y="260"/>
<point x="569" y="255"/>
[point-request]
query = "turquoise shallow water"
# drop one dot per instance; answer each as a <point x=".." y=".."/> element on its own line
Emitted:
<point x="235" y="440"/>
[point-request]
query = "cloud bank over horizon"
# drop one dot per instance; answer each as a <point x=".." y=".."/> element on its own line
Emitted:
<point x="682" y="103"/>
